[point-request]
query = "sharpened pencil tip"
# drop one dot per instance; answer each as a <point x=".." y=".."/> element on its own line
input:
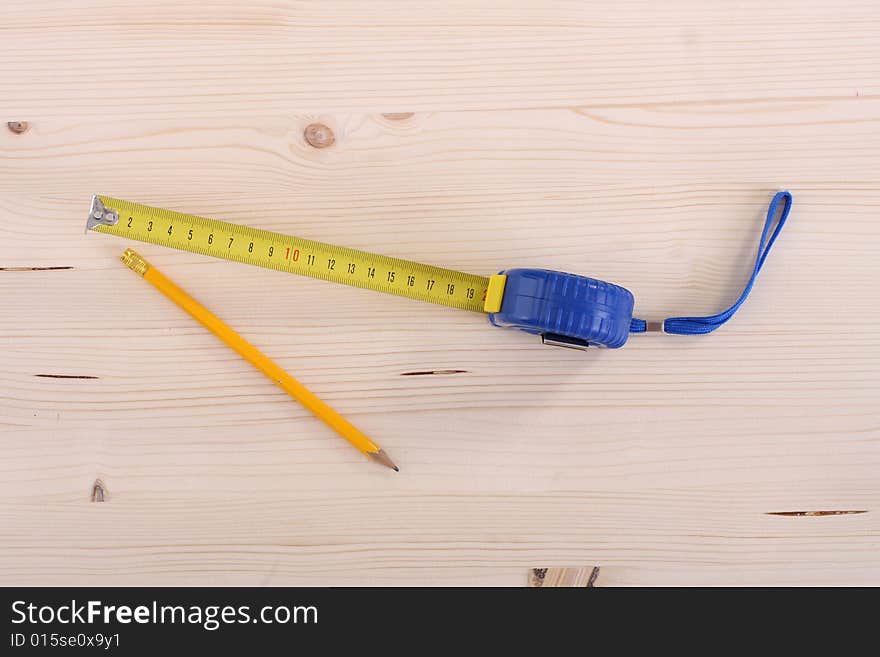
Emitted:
<point x="382" y="458"/>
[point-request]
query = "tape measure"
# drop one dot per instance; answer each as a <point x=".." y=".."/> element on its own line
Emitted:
<point x="565" y="309"/>
<point x="290" y="254"/>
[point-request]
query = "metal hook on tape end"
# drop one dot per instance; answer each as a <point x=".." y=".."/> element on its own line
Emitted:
<point x="100" y="216"/>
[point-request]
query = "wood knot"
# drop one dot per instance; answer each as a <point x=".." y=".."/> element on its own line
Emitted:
<point x="98" y="491"/>
<point x="17" y="126"/>
<point x="584" y="577"/>
<point x="319" y="135"/>
<point x="398" y="116"/>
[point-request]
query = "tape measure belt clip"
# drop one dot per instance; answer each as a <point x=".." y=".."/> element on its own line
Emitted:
<point x="566" y="309"/>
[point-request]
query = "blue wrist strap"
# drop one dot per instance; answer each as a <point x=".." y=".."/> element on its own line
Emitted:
<point x="701" y="325"/>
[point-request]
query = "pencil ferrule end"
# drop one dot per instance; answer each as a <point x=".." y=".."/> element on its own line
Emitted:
<point x="135" y="262"/>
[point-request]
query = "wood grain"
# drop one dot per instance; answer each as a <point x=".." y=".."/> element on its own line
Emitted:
<point x="169" y="58"/>
<point x="637" y="144"/>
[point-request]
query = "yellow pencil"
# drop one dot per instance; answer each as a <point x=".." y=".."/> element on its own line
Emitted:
<point x="257" y="358"/>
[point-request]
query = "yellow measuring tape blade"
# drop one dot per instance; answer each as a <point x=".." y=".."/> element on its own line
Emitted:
<point x="264" y="248"/>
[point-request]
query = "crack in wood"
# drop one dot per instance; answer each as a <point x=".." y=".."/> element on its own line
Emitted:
<point x="429" y="372"/>
<point x="33" y="268"/>
<point x="66" y="376"/>
<point x="816" y="513"/>
<point x="98" y="491"/>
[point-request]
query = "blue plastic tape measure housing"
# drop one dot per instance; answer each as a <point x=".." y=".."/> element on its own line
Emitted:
<point x="566" y="309"/>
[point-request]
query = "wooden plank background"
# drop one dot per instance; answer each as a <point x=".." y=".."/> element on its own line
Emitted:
<point x="635" y="142"/>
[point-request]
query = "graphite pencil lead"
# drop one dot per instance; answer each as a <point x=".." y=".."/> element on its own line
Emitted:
<point x="382" y="458"/>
